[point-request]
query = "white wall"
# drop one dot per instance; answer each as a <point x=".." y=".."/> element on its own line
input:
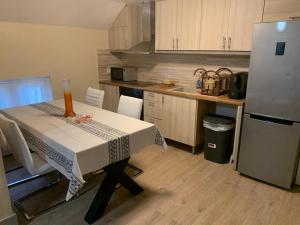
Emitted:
<point x="62" y="52"/>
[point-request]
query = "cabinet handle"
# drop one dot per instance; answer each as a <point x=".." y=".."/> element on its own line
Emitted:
<point x="151" y="94"/>
<point x="173" y="43"/>
<point x="294" y="17"/>
<point x="152" y="121"/>
<point x="163" y="99"/>
<point x="229" y="43"/>
<point x="177" y="43"/>
<point x="224" y="43"/>
<point x="151" y="104"/>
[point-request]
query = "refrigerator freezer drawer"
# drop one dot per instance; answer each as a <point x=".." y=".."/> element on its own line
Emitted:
<point x="269" y="151"/>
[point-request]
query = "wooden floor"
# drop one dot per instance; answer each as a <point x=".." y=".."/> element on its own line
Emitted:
<point x="182" y="189"/>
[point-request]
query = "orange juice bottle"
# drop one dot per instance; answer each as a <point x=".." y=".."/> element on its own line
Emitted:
<point x="68" y="99"/>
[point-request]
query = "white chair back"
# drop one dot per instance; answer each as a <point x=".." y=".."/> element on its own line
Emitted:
<point x="94" y="97"/>
<point x="3" y="142"/>
<point x="130" y="106"/>
<point x="17" y="143"/>
<point x="4" y="147"/>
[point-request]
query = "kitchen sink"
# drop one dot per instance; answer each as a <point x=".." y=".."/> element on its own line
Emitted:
<point x="185" y="89"/>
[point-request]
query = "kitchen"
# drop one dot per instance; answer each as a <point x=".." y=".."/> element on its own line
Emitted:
<point x="159" y="52"/>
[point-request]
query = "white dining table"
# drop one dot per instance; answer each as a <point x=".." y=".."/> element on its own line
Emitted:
<point x="76" y="149"/>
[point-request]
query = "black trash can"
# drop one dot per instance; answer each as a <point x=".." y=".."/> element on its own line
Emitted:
<point x="218" y="138"/>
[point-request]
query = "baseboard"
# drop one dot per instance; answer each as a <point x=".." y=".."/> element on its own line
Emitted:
<point x="11" y="220"/>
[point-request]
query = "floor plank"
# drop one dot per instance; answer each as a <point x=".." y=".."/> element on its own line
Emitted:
<point x="183" y="189"/>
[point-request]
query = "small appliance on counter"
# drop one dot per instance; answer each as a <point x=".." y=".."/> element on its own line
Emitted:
<point x="213" y="82"/>
<point x="238" y="85"/>
<point x="123" y="73"/>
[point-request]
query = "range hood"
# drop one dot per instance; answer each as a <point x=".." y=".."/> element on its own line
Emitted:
<point x="147" y="46"/>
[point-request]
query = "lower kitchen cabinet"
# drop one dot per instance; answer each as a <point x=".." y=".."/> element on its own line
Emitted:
<point x="111" y="97"/>
<point x="179" y="119"/>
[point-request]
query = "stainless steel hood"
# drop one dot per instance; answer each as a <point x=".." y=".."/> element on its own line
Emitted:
<point x="144" y="48"/>
<point x="147" y="46"/>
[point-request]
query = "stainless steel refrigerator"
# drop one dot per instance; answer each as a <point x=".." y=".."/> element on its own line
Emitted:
<point x="269" y="149"/>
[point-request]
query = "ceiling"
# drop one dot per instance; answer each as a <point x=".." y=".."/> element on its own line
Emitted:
<point x="94" y="14"/>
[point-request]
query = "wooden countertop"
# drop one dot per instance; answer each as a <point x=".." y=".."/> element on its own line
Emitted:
<point x="169" y="90"/>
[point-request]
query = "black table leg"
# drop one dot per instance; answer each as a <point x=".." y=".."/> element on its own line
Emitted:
<point x="114" y="175"/>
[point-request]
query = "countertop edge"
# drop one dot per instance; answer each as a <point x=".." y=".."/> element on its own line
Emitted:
<point x="158" y="88"/>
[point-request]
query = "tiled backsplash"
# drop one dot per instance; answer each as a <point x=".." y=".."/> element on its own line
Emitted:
<point x="178" y="68"/>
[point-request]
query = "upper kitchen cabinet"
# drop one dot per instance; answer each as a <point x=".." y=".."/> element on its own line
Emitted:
<point x="188" y="24"/>
<point x="126" y="30"/>
<point x="123" y="18"/>
<point x="276" y="10"/>
<point x="227" y="25"/>
<point x="177" y="24"/>
<point x="211" y="25"/>
<point x="243" y="15"/>
<point x="165" y="24"/>
<point x="118" y="38"/>
<point x="214" y="24"/>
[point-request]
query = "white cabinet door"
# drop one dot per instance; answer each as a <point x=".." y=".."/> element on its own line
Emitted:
<point x="126" y="30"/>
<point x="111" y="38"/>
<point x="243" y="15"/>
<point x="214" y="24"/>
<point x="122" y="19"/>
<point x="188" y="24"/>
<point x="120" y="38"/>
<point x="165" y="24"/>
<point x="174" y="126"/>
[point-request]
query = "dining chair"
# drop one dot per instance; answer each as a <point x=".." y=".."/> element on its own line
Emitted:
<point x="6" y="152"/>
<point x="3" y="144"/>
<point x="94" y="97"/>
<point x="130" y="106"/>
<point x="31" y="161"/>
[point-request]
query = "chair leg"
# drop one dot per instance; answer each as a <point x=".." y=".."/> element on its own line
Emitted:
<point x="12" y="170"/>
<point x="23" y="181"/>
<point x="98" y="172"/>
<point x="19" y="206"/>
<point x="139" y="171"/>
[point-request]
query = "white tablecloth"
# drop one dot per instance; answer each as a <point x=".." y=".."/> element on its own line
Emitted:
<point x="77" y="149"/>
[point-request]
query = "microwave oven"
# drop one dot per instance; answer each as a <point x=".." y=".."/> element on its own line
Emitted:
<point x="123" y="73"/>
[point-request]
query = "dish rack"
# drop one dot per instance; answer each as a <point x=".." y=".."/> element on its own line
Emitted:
<point x="212" y="82"/>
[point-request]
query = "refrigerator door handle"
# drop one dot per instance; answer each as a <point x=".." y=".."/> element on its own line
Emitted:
<point x="271" y="119"/>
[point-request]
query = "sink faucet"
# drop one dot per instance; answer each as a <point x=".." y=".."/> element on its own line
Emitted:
<point x="199" y="82"/>
<point x="201" y="70"/>
<point x="223" y="70"/>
